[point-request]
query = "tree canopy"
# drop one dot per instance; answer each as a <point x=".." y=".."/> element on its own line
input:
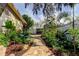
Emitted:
<point x="29" y="21"/>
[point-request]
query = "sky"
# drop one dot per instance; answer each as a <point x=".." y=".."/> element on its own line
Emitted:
<point x="37" y="18"/>
<point x="21" y="8"/>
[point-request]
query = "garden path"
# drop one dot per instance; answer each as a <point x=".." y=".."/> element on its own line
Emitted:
<point x="39" y="48"/>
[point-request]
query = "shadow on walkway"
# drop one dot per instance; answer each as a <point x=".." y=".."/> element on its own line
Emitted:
<point x="17" y="50"/>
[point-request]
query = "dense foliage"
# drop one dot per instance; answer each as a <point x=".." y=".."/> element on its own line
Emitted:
<point x="12" y="35"/>
<point x="62" y="40"/>
<point x="9" y="25"/>
<point x="49" y="33"/>
<point x="4" y="40"/>
<point x="29" y="21"/>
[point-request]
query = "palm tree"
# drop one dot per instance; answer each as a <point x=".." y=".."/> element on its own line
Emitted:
<point x="73" y="25"/>
<point x="71" y="5"/>
<point x="74" y="36"/>
<point x="62" y="15"/>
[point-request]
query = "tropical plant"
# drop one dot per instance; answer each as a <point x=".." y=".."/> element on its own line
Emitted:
<point x="49" y="33"/>
<point x="65" y="39"/>
<point x="4" y="40"/>
<point x="71" y="5"/>
<point x="12" y="35"/>
<point x="46" y="8"/>
<point x="9" y="25"/>
<point x="63" y="15"/>
<point x="29" y="21"/>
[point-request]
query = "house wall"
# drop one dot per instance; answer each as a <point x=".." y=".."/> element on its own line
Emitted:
<point x="8" y="15"/>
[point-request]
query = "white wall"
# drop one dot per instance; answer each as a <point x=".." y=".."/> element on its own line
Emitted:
<point x="7" y="15"/>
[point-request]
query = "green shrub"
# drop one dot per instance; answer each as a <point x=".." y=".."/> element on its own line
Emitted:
<point x="18" y="37"/>
<point x="13" y="35"/>
<point x="61" y="40"/>
<point x="49" y="34"/>
<point x="75" y="33"/>
<point x="23" y="36"/>
<point x="9" y="25"/>
<point x="29" y="22"/>
<point x="65" y="39"/>
<point x="4" y="40"/>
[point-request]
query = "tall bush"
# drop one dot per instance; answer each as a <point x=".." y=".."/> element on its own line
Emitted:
<point x="65" y="39"/>
<point x="12" y="35"/>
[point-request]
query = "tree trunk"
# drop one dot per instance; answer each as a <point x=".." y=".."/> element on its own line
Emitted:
<point x="73" y="25"/>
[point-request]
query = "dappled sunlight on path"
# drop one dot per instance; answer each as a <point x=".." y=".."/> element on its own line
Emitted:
<point x="38" y="48"/>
